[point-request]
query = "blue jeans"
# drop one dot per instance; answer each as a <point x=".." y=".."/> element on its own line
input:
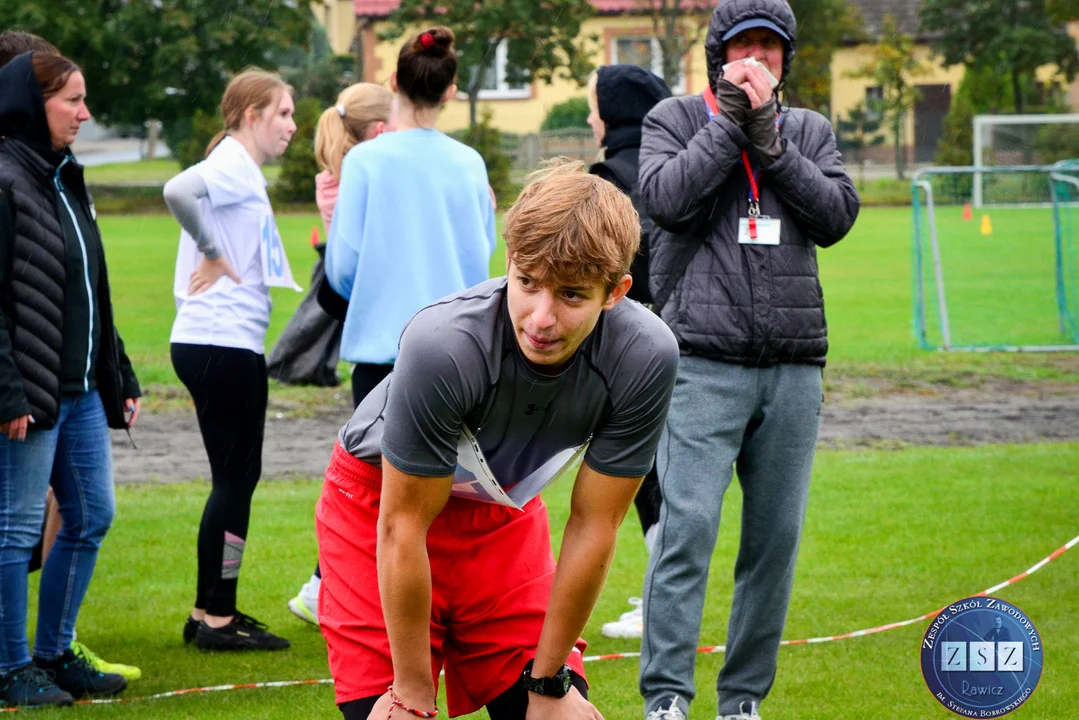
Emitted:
<point x="75" y="457"/>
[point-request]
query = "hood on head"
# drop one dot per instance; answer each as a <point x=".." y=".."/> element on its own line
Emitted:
<point x="733" y="16"/>
<point x="625" y="94"/>
<point x="22" y="108"/>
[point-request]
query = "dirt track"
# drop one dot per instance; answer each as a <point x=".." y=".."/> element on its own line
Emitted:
<point x="170" y="447"/>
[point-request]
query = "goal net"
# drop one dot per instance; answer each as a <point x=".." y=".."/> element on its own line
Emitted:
<point x="1000" y="277"/>
<point x="1017" y="140"/>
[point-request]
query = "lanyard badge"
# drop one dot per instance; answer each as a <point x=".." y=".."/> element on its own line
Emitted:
<point x="754" y="230"/>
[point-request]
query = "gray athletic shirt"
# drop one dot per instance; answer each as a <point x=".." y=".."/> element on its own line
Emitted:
<point x="459" y="364"/>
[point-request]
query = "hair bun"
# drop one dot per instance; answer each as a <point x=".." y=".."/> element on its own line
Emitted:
<point x="435" y="41"/>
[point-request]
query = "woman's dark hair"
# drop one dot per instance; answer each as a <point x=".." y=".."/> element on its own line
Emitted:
<point x="52" y="72"/>
<point x="426" y="66"/>
<point x="14" y="43"/>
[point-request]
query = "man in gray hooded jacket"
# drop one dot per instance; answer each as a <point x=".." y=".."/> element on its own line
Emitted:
<point x="743" y="192"/>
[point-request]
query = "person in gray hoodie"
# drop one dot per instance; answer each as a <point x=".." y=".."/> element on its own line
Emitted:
<point x="743" y="191"/>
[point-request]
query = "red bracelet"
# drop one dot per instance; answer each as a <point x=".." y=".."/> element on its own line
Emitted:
<point x="398" y="704"/>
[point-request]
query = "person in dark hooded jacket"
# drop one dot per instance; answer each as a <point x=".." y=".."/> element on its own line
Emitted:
<point x="744" y="191"/>
<point x="64" y="379"/>
<point x="619" y="96"/>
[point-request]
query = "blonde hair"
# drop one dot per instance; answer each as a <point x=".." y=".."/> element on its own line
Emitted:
<point x="348" y="122"/>
<point x="253" y="88"/>
<point x="570" y="227"/>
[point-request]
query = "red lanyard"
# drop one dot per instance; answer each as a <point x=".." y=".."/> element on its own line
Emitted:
<point x="754" y="193"/>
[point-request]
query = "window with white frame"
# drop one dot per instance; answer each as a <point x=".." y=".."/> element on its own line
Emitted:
<point x="495" y="86"/>
<point x="644" y="51"/>
<point x="874" y="100"/>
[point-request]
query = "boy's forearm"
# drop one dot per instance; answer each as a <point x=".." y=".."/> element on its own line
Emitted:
<point x="587" y="550"/>
<point x="404" y="581"/>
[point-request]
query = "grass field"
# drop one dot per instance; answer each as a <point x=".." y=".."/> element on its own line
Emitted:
<point x="866" y="280"/>
<point x="148" y="172"/>
<point x="889" y="536"/>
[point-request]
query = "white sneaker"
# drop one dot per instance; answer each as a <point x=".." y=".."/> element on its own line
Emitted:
<point x="672" y="712"/>
<point x="629" y="624"/>
<point x="305" y="604"/>
<point x="742" y="714"/>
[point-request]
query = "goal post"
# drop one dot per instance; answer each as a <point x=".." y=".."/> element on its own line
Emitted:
<point x="1013" y="140"/>
<point x="1001" y="277"/>
<point x="1064" y="181"/>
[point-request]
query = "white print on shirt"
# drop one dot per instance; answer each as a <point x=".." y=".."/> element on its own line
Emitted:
<point x="473" y="479"/>
<point x="275" y="268"/>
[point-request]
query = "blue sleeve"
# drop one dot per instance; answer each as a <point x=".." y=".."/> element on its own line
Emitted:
<point x="346" y="230"/>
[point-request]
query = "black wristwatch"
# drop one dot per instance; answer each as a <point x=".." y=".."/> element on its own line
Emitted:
<point x="556" y="687"/>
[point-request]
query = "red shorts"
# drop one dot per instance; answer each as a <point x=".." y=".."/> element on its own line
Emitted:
<point x="491" y="570"/>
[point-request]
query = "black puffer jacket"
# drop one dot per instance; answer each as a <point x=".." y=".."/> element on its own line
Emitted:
<point x="33" y="270"/>
<point x="752" y="305"/>
<point x="625" y="94"/>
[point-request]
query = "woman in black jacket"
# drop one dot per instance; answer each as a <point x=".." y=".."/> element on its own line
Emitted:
<point x="619" y="97"/>
<point x="64" y="379"/>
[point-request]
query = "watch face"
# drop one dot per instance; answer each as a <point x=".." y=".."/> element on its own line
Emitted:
<point x="565" y="681"/>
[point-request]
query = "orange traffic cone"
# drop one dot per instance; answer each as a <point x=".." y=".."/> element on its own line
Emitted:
<point x="314" y="235"/>
<point x="987" y="226"/>
<point x="968" y="213"/>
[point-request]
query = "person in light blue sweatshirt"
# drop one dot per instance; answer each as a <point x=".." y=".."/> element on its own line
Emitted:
<point x="414" y="220"/>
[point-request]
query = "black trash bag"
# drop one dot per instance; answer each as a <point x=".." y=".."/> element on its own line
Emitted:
<point x="308" y="350"/>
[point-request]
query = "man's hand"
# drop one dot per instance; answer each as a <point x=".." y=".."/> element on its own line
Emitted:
<point x="16" y="429"/>
<point x="571" y="707"/>
<point x="207" y="272"/>
<point x="753" y="82"/>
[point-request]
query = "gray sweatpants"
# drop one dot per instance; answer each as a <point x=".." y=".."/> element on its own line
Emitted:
<point x="764" y="421"/>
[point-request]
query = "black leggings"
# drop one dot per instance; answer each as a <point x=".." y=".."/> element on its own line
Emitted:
<point x="229" y="388"/>
<point x="364" y="379"/>
<point x="510" y="705"/>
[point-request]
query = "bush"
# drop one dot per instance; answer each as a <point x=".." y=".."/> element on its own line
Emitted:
<point x="298" y="166"/>
<point x="572" y="113"/>
<point x="486" y="139"/>
<point x="197" y="133"/>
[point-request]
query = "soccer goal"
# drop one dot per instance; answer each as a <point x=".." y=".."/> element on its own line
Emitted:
<point x="1016" y="140"/>
<point x="999" y="277"/>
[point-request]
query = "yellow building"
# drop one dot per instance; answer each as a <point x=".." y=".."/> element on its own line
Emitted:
<point x="621" y="36"/>
<point x="624" y="34"/>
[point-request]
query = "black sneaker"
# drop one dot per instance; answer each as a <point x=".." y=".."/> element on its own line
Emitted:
<point x="30" y="686"/>
<point x="191" y="629"/>
<point x="78" y="677"/>
<point x="243" y="633"/>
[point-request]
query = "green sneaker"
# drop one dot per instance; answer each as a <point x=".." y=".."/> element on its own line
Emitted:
<point x="129" y="672"/>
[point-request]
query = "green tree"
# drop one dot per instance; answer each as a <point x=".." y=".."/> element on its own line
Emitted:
<point x="858" y="131"/>
<point x="823" y="26"/>
<point x="543" y="38"/>
<point x="317" y="72"/>
<point x="162" y="59"/>
<point x="892" y="67"/>
<point x="572" y="113"/>
<point x="983" y="91"/>
<point x="678" y="25"/>
<point x="1012" y="37"/>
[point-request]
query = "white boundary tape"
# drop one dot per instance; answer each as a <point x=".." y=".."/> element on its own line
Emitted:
<point x="596" y="658"/>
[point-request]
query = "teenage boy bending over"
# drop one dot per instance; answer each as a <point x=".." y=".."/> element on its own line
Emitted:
<point x="427" y="561"/>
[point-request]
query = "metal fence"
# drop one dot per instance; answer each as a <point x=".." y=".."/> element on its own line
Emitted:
<point x="528" y="151"/>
